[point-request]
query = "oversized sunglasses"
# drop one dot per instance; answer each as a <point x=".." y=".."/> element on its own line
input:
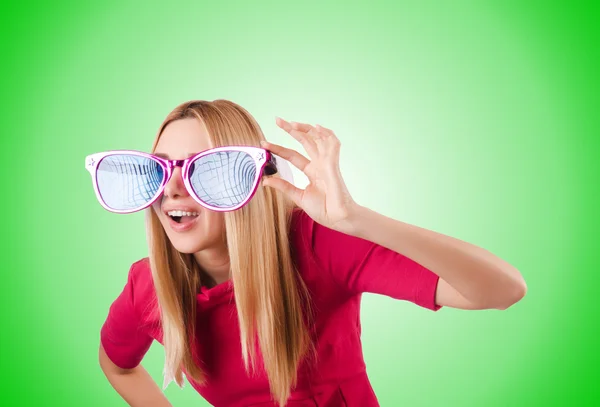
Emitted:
<point x="220" y="179"/>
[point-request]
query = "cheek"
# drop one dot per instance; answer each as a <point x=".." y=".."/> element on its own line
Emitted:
<point x="214" y="224"/>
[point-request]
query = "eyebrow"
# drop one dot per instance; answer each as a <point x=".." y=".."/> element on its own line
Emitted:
<point x="167" y="156"/>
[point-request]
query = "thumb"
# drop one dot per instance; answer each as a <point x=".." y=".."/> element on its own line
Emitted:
<point x="295" y="194"/>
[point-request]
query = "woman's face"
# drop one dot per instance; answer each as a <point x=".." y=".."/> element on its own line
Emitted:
<point x="204" y="228"/>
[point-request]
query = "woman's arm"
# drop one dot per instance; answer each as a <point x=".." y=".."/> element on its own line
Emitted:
<point x="135" y="385"/>
<point x="470" y="277"/>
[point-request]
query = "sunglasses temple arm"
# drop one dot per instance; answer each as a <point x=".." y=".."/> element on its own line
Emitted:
<point x="271" y="167"/>
<point x="141" y="169"/>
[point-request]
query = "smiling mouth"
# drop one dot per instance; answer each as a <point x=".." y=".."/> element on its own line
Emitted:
<point x="182" y="217"/>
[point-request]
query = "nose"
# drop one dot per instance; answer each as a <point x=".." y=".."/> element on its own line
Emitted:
<point x="175" y="186"/>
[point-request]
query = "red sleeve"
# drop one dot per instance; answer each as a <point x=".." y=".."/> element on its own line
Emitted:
<point x="121" y="335"/>
<point x="361" y="266"/>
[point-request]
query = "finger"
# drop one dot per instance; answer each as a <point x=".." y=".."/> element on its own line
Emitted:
<point x="290" y="126"/>
<point x="324" y="129"/>
<point x="328" y="142"/>
<point x="297" y="159"/>
<point x="306" y="141"/>
<point x="316" y="133"/>
<point x="305" y="127"/>
<point x="289" y="190"/>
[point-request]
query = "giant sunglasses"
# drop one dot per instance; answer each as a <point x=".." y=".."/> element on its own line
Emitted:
<point x="220" y="179"/>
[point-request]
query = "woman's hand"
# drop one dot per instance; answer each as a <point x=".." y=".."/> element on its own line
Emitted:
<point x="326" y="199"/>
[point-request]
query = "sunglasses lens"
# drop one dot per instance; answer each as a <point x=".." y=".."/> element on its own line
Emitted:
<point x="223" y="179"/>
<point x="128" y="182"/>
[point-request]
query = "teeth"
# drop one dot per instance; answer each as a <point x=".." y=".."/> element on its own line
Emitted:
<point x="182" y="213"/>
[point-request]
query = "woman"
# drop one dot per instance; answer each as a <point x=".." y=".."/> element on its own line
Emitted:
<point x="255" y="292"/>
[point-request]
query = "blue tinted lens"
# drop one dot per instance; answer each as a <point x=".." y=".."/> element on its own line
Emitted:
<point x="128" y="182"/>
<point x="223" y="179"/>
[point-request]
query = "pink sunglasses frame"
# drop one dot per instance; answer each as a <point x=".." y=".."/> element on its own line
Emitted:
<point x="263" y="159"/>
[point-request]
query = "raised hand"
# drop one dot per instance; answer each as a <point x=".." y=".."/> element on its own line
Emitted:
<point x="326" y="199"/>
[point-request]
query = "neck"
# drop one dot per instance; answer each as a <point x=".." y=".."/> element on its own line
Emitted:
<point x="214" y="263"/>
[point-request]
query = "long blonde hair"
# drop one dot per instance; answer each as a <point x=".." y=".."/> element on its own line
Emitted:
<point x="272" y="300"/>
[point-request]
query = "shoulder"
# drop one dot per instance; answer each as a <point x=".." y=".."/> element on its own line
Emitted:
<point x="307" y="248"/>
<point x="320" y="241"/>
<point x="140" y="270"/>
<point x="299" y="218"/>
<point x="140" y="275"/>
<point x="301" y="231"/>
<point x="141" y="285"/>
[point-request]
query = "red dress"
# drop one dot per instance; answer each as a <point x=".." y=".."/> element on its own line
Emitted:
<point x="337" y="268"/>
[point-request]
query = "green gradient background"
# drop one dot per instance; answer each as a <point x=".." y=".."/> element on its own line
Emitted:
<point x="474" y="119"/>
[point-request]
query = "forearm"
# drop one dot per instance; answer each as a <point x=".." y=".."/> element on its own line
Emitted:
<point x="135" y="385"/>
<point x="478" y="275"/>
<point x="137" y="388"/>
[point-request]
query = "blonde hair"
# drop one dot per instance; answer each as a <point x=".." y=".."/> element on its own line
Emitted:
<point x="271" y="298"/>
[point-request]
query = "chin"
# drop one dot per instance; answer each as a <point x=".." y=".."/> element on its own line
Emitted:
<point x="182" y="247"/>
